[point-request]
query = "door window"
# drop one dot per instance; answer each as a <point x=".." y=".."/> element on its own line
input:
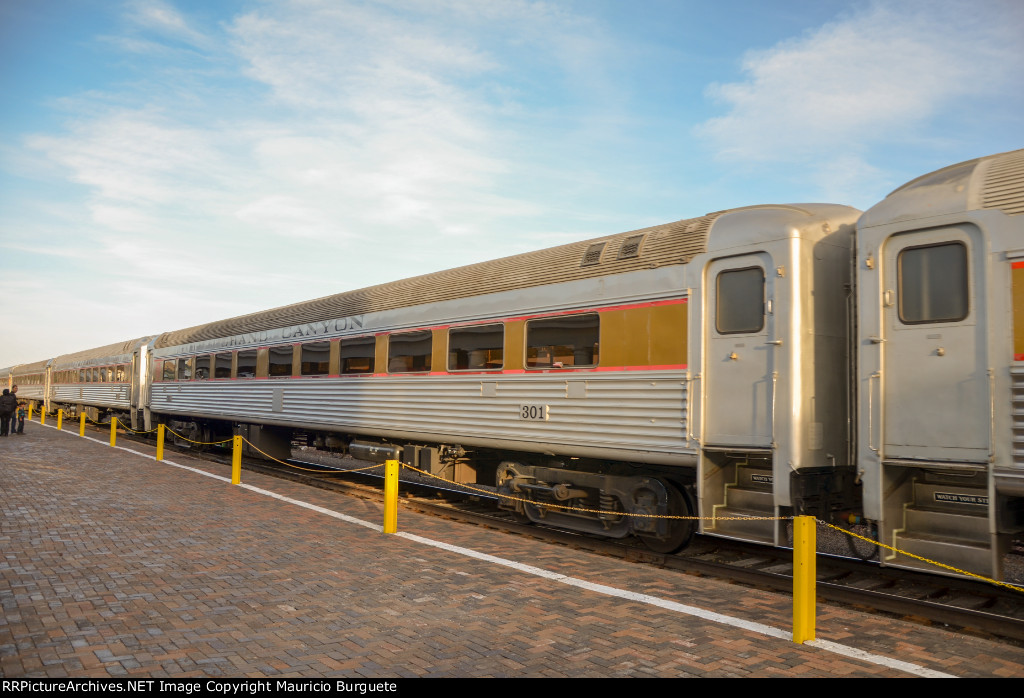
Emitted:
<point x="740" y="301"/>
<point x="932" y="282"/>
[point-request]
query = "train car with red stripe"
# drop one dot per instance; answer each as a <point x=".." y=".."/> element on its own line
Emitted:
<point x="696" y="366"/>
<point x="940" y="279"/>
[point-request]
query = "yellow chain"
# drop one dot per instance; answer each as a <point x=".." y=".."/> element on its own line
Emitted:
<point x="121" y="424"/>
<point x="308" y="470"/>
<point x="923" y="559"/>
<point x="598" y="511"/>
<point x="202" y="443"/>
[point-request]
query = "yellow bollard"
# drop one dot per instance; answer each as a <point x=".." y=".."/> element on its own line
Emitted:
<point x="42" y="415"/>
<point x="81" y="424"/>
<point x="391" y="496"/>
<point x="30" y="406"/>
<point x="236" y="460"/>
<point x="113" y="431"/>
<point x="804" y="578"/>
<point x="60" y="419"/>
<point x="160" y="442"/>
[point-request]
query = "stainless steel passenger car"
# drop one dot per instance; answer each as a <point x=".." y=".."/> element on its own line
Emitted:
<point x="32" y="380"/>
<point x="940" y="278"/>
<point x="693" y="366"/>
<point x="109" y="379"/>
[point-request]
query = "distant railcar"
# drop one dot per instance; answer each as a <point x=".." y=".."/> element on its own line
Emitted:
<point x="97" y="381"/>
<point x="31" y="379"/>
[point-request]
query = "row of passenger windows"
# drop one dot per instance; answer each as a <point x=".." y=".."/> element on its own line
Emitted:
<point x="101" y="374"/>
<point x="560" y="342"/>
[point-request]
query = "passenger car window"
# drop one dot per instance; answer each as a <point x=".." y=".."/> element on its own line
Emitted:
<point x="316" y="359"/>
<point x="410" y="352"/>
<point x="246" y="364"/>
<point x="281" y="361"/>
<point x="357" y="354"/>
<point x="932" y="282"/>
<point x="170" y="369"/>
<point x="740" y="301"/>
<point x="480" y="347"/>
<point x="563" y="342"/>
<point x="222" y="366"/>
<point x="202" y="367"/>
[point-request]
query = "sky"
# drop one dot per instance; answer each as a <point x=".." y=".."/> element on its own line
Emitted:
<point x="169" y="163"/>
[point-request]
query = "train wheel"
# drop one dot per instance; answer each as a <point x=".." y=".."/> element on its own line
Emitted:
<point x="680" y="531"/>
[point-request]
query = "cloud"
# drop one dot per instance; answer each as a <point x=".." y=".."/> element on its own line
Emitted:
<point x="137" y="156"/>
<point x="286" y="153"/>
<point x="875" y="75"/>
<point x="164" y="19"/>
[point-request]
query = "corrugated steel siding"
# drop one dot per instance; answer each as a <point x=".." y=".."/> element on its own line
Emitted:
<point x="1004" y="183"/>
<point x="109" y="395"/>
<point x="1017" y="412"/>
<point x="644" y="411"/>
<point x="672" y="243"/>
<point x="29" y="392"/>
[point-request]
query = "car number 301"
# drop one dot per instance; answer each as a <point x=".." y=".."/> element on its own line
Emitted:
<point x="537" y="413"/>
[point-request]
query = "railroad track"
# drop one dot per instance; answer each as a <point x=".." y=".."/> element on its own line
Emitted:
<point x="958" y="604"/>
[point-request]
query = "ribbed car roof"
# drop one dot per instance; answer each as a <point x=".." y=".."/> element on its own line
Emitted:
<point x="108" y="352"/>
<point x="30" y="368"/>
<point x="1003" y="187"/>
<point x="647" y="248"/>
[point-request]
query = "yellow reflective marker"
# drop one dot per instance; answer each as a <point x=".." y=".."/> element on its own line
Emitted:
<point x="160" y="442"/>
<point x="391" y="496"/>
<point x="113" y="430"/>
<point x="236" y="460"/>
<point x="804" y="578"/>
<point x="81" y="424"/>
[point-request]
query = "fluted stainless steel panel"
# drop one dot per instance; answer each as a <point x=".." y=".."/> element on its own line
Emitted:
<point x="1017" y="401"/>
<point x="96" y="394"/>
<point x="631" y="410"/>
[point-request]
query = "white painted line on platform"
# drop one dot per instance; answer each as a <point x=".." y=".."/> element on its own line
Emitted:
<point x="106" y="442"/>
<point x="314" y="507"/>
<point x="751" y="626"/>
<point x="760" y="628"/>
<point x="855" y="653"/>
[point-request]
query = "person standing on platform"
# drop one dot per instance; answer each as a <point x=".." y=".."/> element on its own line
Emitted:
<point x="8" y="404"/>
<point x="21" y="414"/>
<point x="14" y="415"/>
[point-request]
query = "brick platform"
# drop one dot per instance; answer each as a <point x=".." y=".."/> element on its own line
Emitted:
<point x="116" y="565"/>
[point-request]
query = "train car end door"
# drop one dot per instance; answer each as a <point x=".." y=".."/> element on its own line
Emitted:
<point x="739" y="357"/>
<point x="937" y="400"/>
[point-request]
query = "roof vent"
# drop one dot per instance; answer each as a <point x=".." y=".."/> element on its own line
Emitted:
<point x="1004" y="184"/>
<point x="630" y="247"/>
<point x="593" y="254"/>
